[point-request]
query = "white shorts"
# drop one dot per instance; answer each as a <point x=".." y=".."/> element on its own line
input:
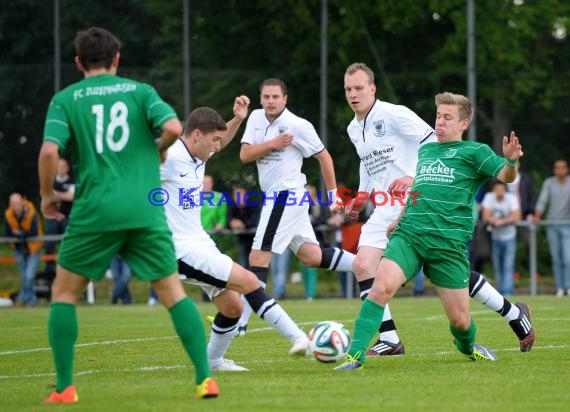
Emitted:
<point x="283" y="224"/>
<point x="207" y="267"/>
<point x="373" y="232"/>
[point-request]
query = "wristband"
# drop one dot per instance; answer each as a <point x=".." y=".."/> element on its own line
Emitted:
<point x="512" y="163"/>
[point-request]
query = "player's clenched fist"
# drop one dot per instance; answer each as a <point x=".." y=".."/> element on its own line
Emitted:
<point x="241" y="105"/>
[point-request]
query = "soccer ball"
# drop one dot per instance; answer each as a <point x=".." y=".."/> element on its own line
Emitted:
<point x="329" y="341"/>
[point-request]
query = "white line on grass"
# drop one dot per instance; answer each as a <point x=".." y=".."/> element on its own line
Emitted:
<point x="249" y="362"/>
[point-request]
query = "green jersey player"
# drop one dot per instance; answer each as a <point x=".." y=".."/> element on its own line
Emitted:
<point x="108" y="123"/>
<point x="433" y="229"/>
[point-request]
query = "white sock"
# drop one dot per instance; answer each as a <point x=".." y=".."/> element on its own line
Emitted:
<point x="345" y="263"/>
<point x="244" y="318"/>
<point x="220" y="339"/>
<point x="490" y="297"/>
<point x="389" y="335"/>
<point x="513" y="313"/>
<point x="280" y="320"/>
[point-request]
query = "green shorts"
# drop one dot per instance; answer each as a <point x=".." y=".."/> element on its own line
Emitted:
<point x="445" y="261"/>
<point x="149" y="252"/>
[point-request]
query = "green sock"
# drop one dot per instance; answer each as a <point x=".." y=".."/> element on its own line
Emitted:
<point x="189" y="327"/>
<point x="309" y="281"/>
<point x="62" y="334"/>
<point x="464" y="339"/>
<point x="365" y="326"/>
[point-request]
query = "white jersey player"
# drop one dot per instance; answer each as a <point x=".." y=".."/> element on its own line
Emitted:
<point x="279" y="141"/>
<point x="199" y="260"/>
<point x="387" y="138"/>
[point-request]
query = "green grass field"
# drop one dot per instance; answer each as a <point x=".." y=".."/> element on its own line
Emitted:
<point x="128" y="359"/>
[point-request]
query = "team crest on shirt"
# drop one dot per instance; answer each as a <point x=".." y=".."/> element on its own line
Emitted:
<point x="450" y="153"/>
<point x="379" y="128"/>
<point x="282" y="129"/>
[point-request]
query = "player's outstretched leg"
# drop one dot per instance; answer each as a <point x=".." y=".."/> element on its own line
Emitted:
<point x="517" y="314"/>
<point x="271" y="312"/>
<point x="388" y="342"/>
<point x="261" y="273"/>
<point x="364" y="328"/>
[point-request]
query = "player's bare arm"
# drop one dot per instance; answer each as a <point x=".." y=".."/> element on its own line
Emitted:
<point x="327" y="170"/>
<point x="47" y="169"/>
<point x="512" y="150"/>
<point x="241" y="105"/>
<point x="252" y="152"/>
<point x="171" y="130"/>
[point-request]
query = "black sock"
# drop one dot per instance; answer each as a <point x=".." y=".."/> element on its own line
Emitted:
<point x="258" y="299"/>
<point x="261" y="274"/>
<point x="365" y="286"/>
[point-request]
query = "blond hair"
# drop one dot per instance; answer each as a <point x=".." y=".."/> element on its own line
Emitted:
<point x="464" y="105"/>
<point x="354" y="67"/>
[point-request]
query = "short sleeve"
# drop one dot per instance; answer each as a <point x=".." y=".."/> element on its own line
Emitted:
<point x="411" y="127"/>
<point x="487" y="202"/>
<point x="158" y="111"/>
<point x="307" y="140"/>
<point x="248" y="135"/>
<point x="489" y="163"/>
<point x="56" y="127"/>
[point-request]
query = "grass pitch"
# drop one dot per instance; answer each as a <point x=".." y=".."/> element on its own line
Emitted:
<point x="128" y="359"/>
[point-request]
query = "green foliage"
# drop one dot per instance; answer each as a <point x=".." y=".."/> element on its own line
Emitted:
<point x="416" y="48"/>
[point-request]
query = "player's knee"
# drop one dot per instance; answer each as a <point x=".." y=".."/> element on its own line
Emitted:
<point x="230" y="305"/>
<point x="362" y="267"/>
<point x="461" y="321"/>
<point x="249" y="283"/>
<point x="381" y="293"/>
<point x="232" y="312"/>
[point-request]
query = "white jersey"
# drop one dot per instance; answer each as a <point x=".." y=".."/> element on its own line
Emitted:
<point x="280" y="169"/>
<point x="182" y="176"/>
<point x="387" y="142"/>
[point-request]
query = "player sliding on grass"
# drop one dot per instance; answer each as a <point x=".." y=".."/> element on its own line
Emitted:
<point x="108" y="123"/>
<point x="199" y="260"/>
<point x="387" y="138"/>
<point x="435" y="231"/>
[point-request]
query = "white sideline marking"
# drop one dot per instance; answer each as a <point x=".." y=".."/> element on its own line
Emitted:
<point x="267" y="361"/>
<point x="121" y="341"/>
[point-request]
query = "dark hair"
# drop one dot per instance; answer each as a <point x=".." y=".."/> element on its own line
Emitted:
<point x="498" y="182"/>
<point x="274" y="82"/>
<point x="206" y="120"/>
<point x="96" y="48"/>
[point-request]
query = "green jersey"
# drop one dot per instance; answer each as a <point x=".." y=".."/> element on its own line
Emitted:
<point x="108" y="122"/>
<point x="448" y="176"/>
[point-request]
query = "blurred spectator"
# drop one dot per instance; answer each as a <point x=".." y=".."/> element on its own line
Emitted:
<point x="22" y="221"/>
<point x="121" y="276"/>
<point x="523" y="188"/>
<point x="213" y="213"/>
<point x="419" y="283"/>
<point x="318" y="216"/>
<point x="243" y="215"/>
<point x="555" y="193"/>
<point x="65" y="189"/>
<point x="501" y="211"/>
<point x="279" y="266"/>
<point x="480" y="246"/>
<point x="153" y="298"/>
